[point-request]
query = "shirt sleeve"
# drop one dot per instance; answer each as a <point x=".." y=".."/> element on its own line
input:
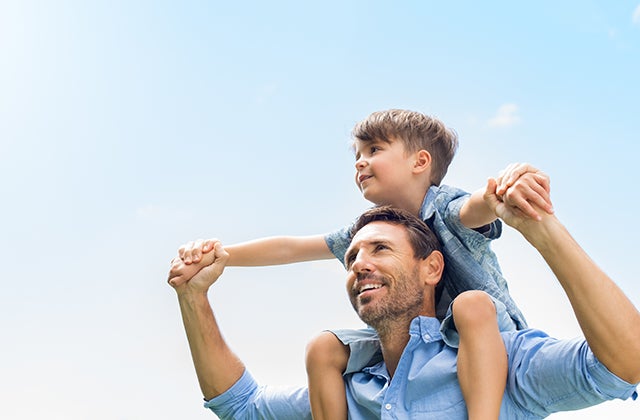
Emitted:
<point x="547" y="375"/>
<point x="247" y="400"/>
<point x="452" y="219"/>
<point x="338" y="241"/>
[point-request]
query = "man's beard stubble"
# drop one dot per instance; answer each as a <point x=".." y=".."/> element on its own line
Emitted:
<point x="405" y="301"/>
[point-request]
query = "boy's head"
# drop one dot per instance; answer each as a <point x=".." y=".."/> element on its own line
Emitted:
<point x="416" y="132"/>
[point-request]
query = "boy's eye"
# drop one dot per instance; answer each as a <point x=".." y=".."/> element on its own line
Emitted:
<point x="374" y="149"/>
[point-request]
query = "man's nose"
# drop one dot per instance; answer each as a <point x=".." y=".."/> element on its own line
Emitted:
<point x="362" y="263"/>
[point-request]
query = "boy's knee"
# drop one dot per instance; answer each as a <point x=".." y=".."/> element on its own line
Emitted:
<point x="473" y="307"/>
<point x="326" y="351"/>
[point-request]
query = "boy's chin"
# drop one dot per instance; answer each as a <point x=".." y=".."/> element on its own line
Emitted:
<point x="373" y="198"/>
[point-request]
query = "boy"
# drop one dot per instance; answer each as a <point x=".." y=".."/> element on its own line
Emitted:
<point x="401" y="158"/>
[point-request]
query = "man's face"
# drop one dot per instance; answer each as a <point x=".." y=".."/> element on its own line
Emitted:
<point x="383" y="170"/>
<point x="383" y="279"/>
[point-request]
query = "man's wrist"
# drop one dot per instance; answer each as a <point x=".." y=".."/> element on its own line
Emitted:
<point x="543" y="234"/>
<point x="189" y="294"/>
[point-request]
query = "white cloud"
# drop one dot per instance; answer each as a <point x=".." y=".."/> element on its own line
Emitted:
<point x="506" y="116"/>
<point x="635" y="18"/>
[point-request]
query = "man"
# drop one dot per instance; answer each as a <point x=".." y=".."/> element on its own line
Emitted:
<point x="393" y="269"/>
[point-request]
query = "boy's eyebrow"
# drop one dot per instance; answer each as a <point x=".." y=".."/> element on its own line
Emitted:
<point x="367" y="143"/>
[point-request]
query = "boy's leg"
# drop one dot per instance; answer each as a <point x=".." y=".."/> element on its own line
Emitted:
<point x="482" y="357"/>
<point x="326" y="360"/>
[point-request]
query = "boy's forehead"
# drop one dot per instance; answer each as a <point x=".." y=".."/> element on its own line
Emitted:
<point x="360" y="143"/>
<point x="375" y="140"/>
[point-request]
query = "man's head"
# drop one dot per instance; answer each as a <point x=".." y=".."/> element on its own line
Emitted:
<point x="394" y="264"/>
<point x="414" y="131"/>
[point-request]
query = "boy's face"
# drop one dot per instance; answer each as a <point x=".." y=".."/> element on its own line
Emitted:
<point x="383" y="170"/>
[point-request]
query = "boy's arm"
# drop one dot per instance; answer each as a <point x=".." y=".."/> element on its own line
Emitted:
<point x="260" y="252"/>
<point x="522" y="186"/>
<point x="273" y="250"/>
<point x="279" y="250"/>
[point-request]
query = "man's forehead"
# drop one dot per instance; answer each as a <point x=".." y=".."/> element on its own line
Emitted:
<point x="378" y="231"/>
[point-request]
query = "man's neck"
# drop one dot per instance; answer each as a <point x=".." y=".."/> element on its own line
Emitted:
<point x="394" y="337"/>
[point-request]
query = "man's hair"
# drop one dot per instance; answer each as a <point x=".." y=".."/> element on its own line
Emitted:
<point x="416" y="131"/>
<point x="422" y="239"/>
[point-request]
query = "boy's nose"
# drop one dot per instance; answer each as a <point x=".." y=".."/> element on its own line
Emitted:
<point x="361" y="163"/>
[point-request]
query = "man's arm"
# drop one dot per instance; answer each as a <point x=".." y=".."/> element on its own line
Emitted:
<point x="217" y="367"/>
<point x="230" y="390"/>
<point x="609" y="320"/>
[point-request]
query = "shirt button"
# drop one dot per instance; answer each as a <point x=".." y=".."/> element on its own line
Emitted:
<point x="387" y="406"/>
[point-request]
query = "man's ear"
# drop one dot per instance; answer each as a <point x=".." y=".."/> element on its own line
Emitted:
<point x="422" y="161"/>
<point x="431" y="268"/>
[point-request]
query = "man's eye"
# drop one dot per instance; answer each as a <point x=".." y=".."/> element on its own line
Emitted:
<point x="381" y="247"/>
<point x="349" y="261"/>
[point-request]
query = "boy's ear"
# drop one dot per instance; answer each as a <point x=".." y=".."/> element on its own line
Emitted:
<point x="422" y="162"/>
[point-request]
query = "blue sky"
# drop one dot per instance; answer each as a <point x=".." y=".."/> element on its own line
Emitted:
<point x="128" y="128"/>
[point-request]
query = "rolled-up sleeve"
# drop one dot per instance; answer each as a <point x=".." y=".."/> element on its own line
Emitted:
<point x="338" y="241"/>
<point x="248" y="400"/>
<point x="548" y="375"/>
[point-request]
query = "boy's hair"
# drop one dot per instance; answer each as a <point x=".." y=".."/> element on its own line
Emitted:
<point x="423" y="241"/>
<point x="417" y="131"/>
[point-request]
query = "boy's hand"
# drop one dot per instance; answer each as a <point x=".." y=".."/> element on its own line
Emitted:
<point x="520" y="185"/>
<point x="191" y="252"/>
<point x="182" y="271"/>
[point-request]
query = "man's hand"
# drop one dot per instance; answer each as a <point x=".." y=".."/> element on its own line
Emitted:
<point x="522" y="186"/>
<point x="198" y="277"/>
<point x="511" y="215"/>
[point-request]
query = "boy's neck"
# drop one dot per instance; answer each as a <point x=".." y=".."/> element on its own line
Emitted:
<point x="411" y="202"/>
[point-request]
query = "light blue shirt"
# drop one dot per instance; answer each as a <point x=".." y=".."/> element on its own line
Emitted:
<point x="546" y="375"/>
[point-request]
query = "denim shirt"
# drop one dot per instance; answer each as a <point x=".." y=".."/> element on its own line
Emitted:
<point x="545" y="376"/>
<point x="470" y="264"/>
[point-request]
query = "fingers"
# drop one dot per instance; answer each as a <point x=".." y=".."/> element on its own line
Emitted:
<point x="219" y="263"/>
<point x="540" y="189"/>
<point x="531" y="190"/>
<point x="509" y="176"/>
<point x="176" y="277"/>
<point x="221" y="254"/>
<point x="490" y="196"/>
<point x="182" y="272"/>
<point x="191" y="252"/>
<point x="208" y="245"/>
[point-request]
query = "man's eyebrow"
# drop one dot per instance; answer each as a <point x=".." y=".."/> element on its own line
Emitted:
<point x="374" y="243"/>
